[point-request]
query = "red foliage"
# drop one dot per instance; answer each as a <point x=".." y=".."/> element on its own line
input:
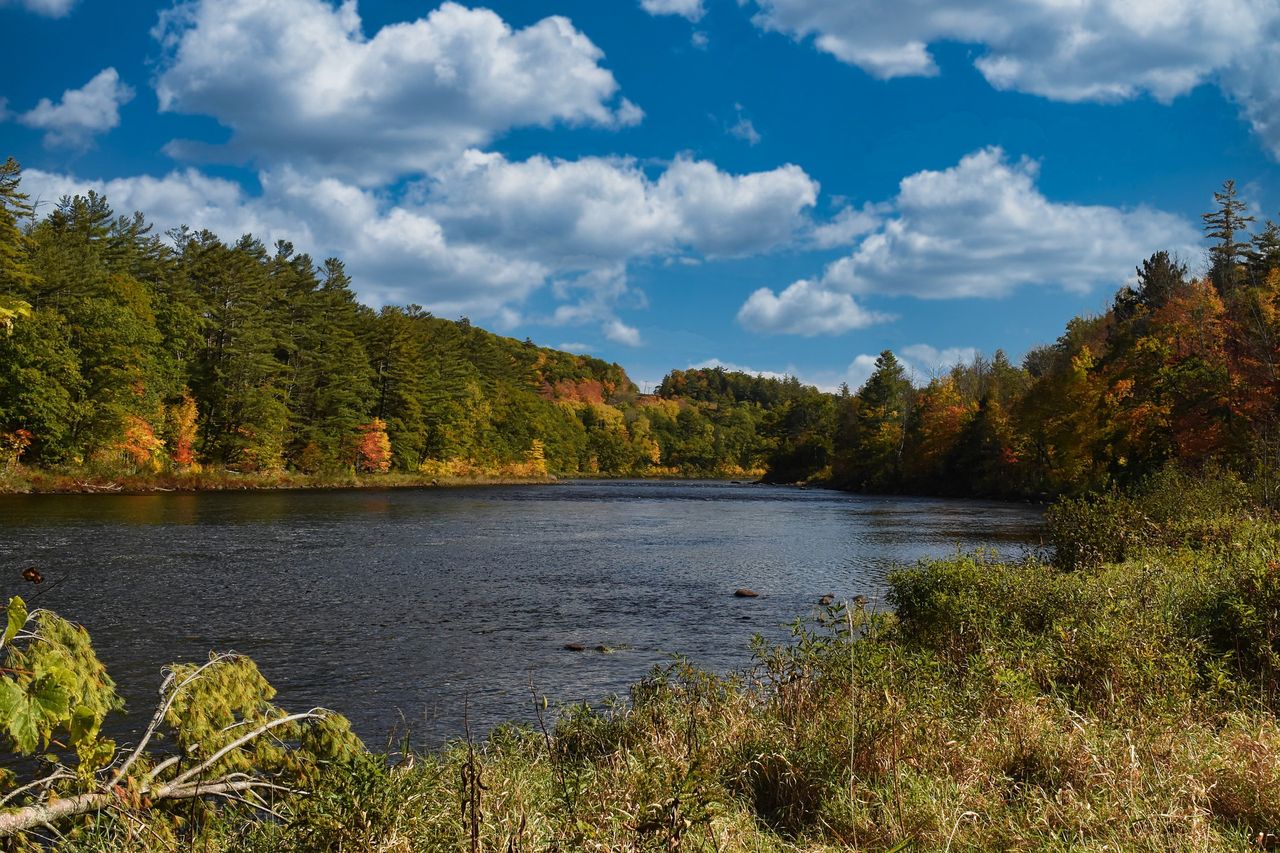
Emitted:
<point x="373" y="453"/>
<point x="182" y="432"/>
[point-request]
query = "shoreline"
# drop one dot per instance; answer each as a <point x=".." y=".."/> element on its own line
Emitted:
<point x="36" y="482"/>
<point x="47" y="483"/>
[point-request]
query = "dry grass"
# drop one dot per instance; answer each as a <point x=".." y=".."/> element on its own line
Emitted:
<point x="1129" y="706"/>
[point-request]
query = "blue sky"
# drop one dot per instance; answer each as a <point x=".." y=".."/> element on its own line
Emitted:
<point x="782" y="185"/>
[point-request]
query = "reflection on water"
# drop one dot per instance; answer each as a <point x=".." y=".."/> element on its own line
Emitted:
<point x="393" y="606"/>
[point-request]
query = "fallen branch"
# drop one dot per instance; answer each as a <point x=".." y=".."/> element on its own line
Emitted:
<point x="41" y="814"/>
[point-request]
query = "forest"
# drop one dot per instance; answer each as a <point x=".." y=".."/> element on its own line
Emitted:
<point x="126" y="352"/>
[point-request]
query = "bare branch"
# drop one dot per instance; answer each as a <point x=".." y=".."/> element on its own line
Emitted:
<point x="60" y="773"/>
<point x="162" y="710"/>
<point x="313" y="714"/>
<point x="46" y="814"/>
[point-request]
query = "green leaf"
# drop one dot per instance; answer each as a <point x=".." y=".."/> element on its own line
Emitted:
<point x="11" y="697"/>
<point x="17" y="717"/>
<point x="84" y="724"/>
<point x="17" y="613"/>
<point x="51" y="695"/>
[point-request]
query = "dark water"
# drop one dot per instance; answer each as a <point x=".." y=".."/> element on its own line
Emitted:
<point x="392" y="606"/>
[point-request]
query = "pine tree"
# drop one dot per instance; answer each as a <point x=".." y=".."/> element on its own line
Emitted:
<point x="1226" y="225"/>
<point x="1264" y="253"/>
<point x="16" y="275"/>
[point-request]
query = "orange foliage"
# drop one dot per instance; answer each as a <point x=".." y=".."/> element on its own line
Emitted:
<point x="182" y="432"/>
<point x="581" y="391"/>
<point x="140" y="443"/>
<point x="13" y="445"/>
<point x="373" y="453"/>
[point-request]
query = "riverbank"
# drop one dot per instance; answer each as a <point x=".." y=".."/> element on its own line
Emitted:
<point x="82" y="481"/>
<point x="1093" y="704"/>
<point x="19" y="480"/>
<point x="1123" y="696"/>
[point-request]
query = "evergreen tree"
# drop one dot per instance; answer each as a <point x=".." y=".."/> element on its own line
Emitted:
<point x="1227" y="225"/>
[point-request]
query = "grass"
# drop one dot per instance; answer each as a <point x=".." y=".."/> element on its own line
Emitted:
<point x="1117" y="701"/>
<point x="108" y="480"/>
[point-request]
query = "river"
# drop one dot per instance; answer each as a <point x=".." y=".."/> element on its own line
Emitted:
<point x="401" y="607"/>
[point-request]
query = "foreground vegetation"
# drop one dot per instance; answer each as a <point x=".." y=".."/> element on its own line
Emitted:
<point x="1122" y="696"/>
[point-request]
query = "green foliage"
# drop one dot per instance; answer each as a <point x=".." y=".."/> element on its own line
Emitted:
<point x="53" y="681"/>
<point x="55" y="694"/>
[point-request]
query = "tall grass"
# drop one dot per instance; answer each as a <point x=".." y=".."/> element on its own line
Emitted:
<point x="1101" y="703"/>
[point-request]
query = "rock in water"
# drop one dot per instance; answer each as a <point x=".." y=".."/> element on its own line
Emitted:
<point x="826" y="600"/>
<point x="574" y="647"/>
<point x="746" y="593"/>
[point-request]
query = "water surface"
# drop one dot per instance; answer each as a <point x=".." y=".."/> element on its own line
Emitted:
<point x="394" y="606"/>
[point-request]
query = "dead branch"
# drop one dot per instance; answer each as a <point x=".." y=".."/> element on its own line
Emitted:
<point x="42" y="814"/>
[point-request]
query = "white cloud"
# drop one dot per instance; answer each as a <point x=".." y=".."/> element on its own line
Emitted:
<point x="700" y="40"/>
<point x="82" y="113"/>
<point x="712" y="363"/>
<point x="620" y="333"/>
<point x="48" y="8"/>
<point x="395" y="254"/>
<point x="744" y="129"/>
<point x="593" y="211"/>
<point x="983" y="228"/>
<point x="483" y="236"/>
<point x="928" y="361"/>
<point x="691" y="9"/>
<point x="575" y="347"/>
<point x="846" y="227"/>
<point x="805" y="308"/>
<point x="921" y="362"/>
<point x="859" y="371"/>
<point x="979" y="229"/>
<point x="298" y="81"/>
<point x="1083" y="50"/>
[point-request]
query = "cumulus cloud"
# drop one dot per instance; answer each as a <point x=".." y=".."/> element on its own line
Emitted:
<point x="48" y="8"/>
<point x="298" y="81"/>
<point x="484" y="235"/>
<point x="691" y="9"/>
<point x="859" y="371"/>
<point x="620" y="333"/>
<point x="81" y="113"/>
<point x="978" y="229"/>
<point x="591" y="211"/>
<point x="396" y="254"/>
<point x="805" y="308"/>
<point x="983" y="228"/>
<point x="846" y="227"/>
<point x="1091" y="50"/>
<point x="922" y="362"/>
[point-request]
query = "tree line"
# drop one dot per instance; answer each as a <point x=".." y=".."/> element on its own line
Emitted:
<point x="1179" y="369"/>
<point x="122" y="349"/>
<point x="125" y="350"/>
